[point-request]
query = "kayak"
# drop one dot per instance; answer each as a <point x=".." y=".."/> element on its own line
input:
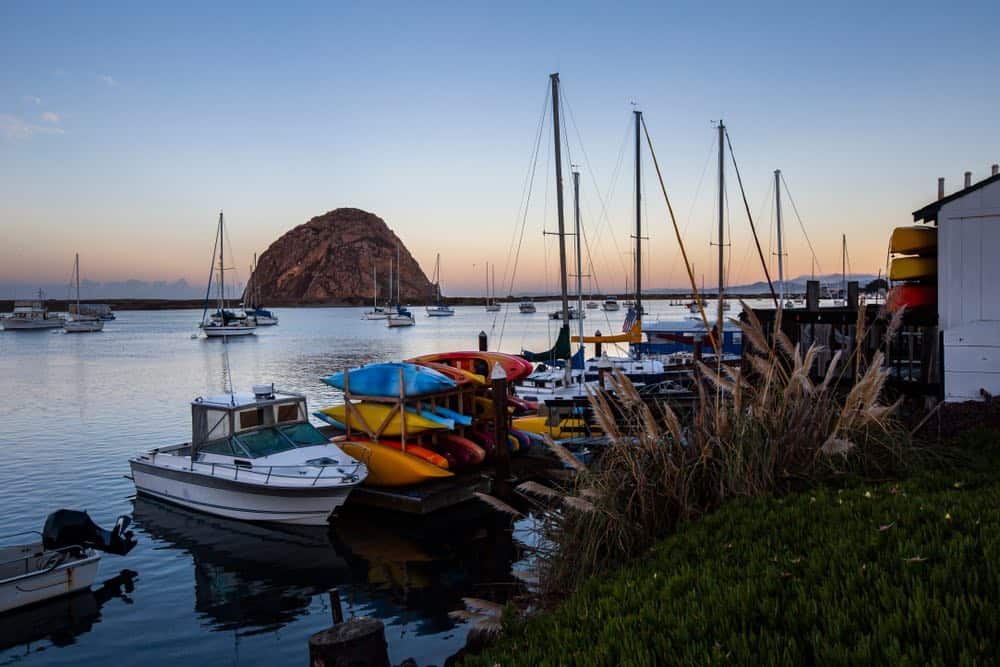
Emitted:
<point x="461" y="377"/>
<point x="481" y="363"/>
<point x="911" y="296"/>
<point x="413" y="449"/>
<point x="487" y="440"/>
<point x="391" y="467"/>
<point x="914" y="240"/>
<point x="375" y="414"/>
<point x="913" y="268"/>
<point x="462" y="450"/>
<point x="384" y="380"/>
<point x="567" y="428"/>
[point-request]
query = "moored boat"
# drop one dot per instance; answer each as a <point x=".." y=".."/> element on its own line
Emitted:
<point x="31" y="316"/>
<point x="610" y="304"/>
<point x="224" y="323"/>
<point x="78" y="322"/>
<point x="526" y="307"/>
<point x="253" y="457"/>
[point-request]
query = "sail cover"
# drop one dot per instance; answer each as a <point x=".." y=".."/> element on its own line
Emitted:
<point x="560" y="350"/>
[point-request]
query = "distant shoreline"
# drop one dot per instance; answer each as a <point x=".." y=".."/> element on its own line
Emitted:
<point x="62" y="305"/>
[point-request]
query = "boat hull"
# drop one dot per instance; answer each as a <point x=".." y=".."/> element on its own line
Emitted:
<point x="16" y="324"/>
<point x="226" y="332"/>
<point x="84" y="326"/>
<point x="303" y="506"/>
<point x="74" y="575"/>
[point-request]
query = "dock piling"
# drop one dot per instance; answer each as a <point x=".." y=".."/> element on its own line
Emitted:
<point x="498" y="379"/>
<point x="359" y="641"/>
<point x="483" y="342"/>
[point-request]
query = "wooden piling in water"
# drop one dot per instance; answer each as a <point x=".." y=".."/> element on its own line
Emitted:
<point x="498" y="379"/>
<point x="358" y="642"/>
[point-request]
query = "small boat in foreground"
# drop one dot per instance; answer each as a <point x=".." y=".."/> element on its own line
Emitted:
<point x="253" y="457"/>
<point x="64" y="561"/>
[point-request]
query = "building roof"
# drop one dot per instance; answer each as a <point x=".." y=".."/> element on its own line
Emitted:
<point x="929" y="213"/>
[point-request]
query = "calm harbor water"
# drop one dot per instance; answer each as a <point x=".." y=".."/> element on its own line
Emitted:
<point x="74" y="408"/>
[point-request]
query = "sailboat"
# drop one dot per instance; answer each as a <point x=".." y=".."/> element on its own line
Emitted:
<point x="439" y="309"/>
<point x="398" y="316"/>
<point x="223" y="323"/>
<point x="591" y="304"/>
<point x="78" y="322"/>
<point x="263" y="317"/>
<point x="492" y="305"/>
<point x="782" y="301"/>
<point x="377" y="312"/>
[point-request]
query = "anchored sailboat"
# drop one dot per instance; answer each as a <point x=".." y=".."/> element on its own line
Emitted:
<point x="439" y="309"/>
<point x="263" y="317"/>
<point x="223" y="323"/>
<point x="78" y="322"/>
<point x="398" y="316"/>
<point x="492" y="305"/>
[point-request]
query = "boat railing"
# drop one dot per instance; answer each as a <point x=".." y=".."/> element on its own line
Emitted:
<point x="55" y="557"/>
<point x="278" y="473"/>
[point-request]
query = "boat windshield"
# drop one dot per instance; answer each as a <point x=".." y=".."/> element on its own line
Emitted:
<point x="264" y="442"/>
<point x="303" y="434"/>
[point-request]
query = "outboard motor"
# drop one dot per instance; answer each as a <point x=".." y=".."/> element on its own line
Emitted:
<point x="66" y="528"/>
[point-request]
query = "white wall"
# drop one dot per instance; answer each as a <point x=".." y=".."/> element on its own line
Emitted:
<point x="969" y="292"/>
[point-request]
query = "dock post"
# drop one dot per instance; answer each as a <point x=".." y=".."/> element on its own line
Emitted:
<point x="852" y="295"/>
<point x="498" y="378"/>
<point x="359" y="641"/>
<point x="597" y="345"/>
<point x="336" y="612"/>
<point x="812" y="295"/>
<point x="483" y="342"/>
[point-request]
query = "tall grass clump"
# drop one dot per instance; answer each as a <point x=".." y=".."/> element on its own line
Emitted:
<point x="766" y="428"/>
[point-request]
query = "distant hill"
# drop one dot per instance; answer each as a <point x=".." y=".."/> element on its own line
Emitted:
<point x="795" y="285"/>
<point x="330" y="260"/>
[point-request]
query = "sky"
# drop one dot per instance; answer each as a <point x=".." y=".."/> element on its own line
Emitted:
<point x="125" y="128"/>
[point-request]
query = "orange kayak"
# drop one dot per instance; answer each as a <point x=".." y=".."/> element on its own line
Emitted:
<point x="411" y="449"/>
<point x="481" y="363"/>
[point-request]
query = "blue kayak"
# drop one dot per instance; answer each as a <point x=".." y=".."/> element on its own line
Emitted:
<point x="383" y="380"/>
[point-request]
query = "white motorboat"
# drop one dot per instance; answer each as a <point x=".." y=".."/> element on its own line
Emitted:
<point x="64" y="560"/>
<point x="31" y="316"/>
<point x="440" y="310"/>
<point x="78" y="322"/>
<point x="376" y="313"/>
<point x="526" y="307"/>
<point x="574" y="314"/>
<point x="253" y="457"/>
<point x="610" y="304"/>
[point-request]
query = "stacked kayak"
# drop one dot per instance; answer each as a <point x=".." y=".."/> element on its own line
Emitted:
<point x="915" y="265"/>
<point x="423" y="419"/>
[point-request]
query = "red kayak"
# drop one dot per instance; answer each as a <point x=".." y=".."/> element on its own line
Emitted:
<point x="461" y="377"/>
<point x="481" y="363"/>
<point x="911" y="295"/>
<point x="466" y="453"/>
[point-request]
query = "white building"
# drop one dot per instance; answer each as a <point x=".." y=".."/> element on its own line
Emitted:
<point x="968" y="224"/>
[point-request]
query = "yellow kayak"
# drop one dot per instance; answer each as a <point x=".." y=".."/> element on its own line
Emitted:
<point x="914" y="240"/>
<point x="913" y="268"/>
<point x="375" y="413"/>
<point x="391" y="467"/>
<point x="567" y="428"/>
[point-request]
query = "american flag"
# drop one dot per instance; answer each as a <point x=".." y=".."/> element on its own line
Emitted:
<point x="629" y="320"/>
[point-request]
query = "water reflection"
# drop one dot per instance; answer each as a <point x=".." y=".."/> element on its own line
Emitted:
<point x="62" y="620"/>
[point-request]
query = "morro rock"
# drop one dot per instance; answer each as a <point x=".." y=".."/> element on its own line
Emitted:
<point x="330" y="260"/>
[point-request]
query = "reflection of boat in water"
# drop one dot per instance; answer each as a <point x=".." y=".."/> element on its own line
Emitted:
<point x="247" y="574"/>
<point x="61" y="620"/>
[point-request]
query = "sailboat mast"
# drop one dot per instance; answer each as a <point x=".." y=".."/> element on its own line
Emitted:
<point x="843" y="265"/>
<point x="559" y="197"/>
<point x="579" y="259"/>
<point x="76" y="269"/>
<point x="399" y="281"/>
<point x="222" y="272"/>
<point x="722" y="211"/>
<point x="781" y="266"/>
<point x="638" y="216"/>
<point x="494" y="283"/>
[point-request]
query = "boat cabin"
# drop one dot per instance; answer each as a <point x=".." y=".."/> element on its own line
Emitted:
<point x="252" y="425"/>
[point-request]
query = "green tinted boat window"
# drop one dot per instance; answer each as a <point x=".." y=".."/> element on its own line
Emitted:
<point x="223" y="447"/>
<point x="304" y="434"/>
<point x="264" y="442"/>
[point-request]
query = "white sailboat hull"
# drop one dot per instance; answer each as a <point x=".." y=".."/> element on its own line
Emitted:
<point x="396" y="321"/>
<point x="83" y="326"/>
<point x="440" y="311"/>
<point x="213" y="331"/>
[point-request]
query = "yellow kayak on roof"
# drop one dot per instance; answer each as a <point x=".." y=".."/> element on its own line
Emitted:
<point x="375" y="414"/>
<point x="914" y="240"/>
<point x="913" y="268"/>
<point x="391" y="467"/>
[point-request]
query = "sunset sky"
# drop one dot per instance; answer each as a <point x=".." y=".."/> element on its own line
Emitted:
<point x="124" y="130"/>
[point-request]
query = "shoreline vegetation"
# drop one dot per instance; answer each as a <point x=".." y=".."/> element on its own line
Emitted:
<point x="787" y="519"/>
